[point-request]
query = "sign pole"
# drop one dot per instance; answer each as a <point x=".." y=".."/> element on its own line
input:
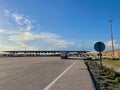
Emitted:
<point x="101" y="67"/>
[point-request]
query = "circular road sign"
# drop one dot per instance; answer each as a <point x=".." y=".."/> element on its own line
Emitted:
<point x="99" y="46"/>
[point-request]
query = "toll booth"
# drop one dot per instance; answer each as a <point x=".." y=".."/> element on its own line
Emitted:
<point x="64" y="55"/>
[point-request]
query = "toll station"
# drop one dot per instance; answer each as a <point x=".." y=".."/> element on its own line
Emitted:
<point x="63" y="53"/>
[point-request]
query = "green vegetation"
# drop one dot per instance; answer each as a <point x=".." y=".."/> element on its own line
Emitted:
<point x="115" y="63"/>
<point x="106" y="78"/>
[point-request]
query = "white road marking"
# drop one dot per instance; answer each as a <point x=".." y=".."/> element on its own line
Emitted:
<point x="56" y="79"/>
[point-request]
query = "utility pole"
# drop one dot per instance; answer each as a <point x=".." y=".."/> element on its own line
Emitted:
<point x="111" y="37"/>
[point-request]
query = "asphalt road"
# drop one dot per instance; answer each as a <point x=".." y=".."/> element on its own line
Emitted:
<point x="37" y="73"/>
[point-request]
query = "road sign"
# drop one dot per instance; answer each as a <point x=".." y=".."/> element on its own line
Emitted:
<point x="99" y="46"/>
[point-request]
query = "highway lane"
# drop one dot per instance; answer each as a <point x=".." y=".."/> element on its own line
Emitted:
<point x="76" y="78"/>
<point x="30" y="73"/>
<point x="48" y="73"/>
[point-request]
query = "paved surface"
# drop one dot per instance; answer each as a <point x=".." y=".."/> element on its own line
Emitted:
<point x="36" y="73"/>
<point x="77" y="78"/>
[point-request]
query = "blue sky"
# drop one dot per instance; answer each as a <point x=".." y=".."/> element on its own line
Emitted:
<point x="58" y="24"/>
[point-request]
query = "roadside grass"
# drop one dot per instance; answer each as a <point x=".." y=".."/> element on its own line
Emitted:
<point x="115" y="63"/>
<point x="107" y="78"/>
<point x="117" y="85"/>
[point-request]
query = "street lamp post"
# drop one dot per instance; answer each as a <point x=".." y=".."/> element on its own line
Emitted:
<point x="111" y="38"/>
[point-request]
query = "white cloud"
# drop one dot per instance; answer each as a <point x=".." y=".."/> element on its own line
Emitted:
<point x="22" y="37"/>
<point x="47" y="38"/>
<point x="109" y="44"/>
<point x="5" y="31"/>
<point x="45" y="35"/>
<point x="54" y="39"/>
<point x="20" y="19"/>
<point x="58" y="42"/>
<point x="4" y="47"/>
<point x="25" y="34"/>
<point x="23" y="21"/>
<point x="6" y="12"/>
<point x="2" y="31"/>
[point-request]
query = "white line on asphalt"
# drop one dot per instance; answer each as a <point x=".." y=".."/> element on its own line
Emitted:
<point x="56" y="79"/>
